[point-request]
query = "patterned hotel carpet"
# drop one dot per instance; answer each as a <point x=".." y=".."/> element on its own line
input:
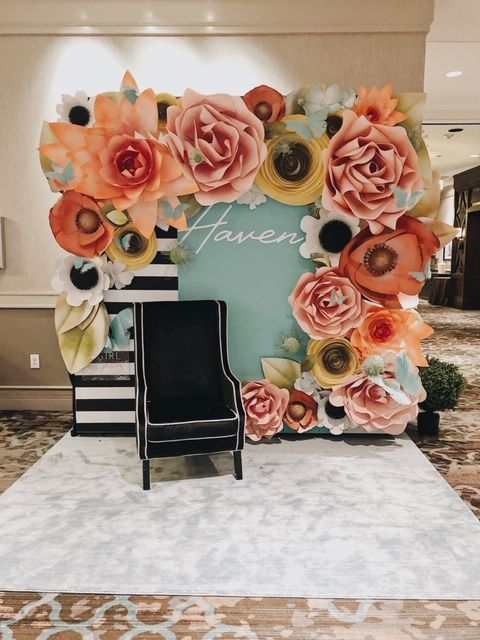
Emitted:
<point x="24" y="437"/>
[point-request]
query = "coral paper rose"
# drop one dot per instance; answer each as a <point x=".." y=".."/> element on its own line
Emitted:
<point x="78" y="225"/>
<point x="219" y="141"/>
<point x="326" y="304"/>
<point x="370" y="406"/>
<point x="120" y="159"/>
<point x="367" y="165"/>
<point x="301" y="412"/>
<point x="386" y="266"/>
<point x="266" y="103"/>
<point x="392" y="330"/>
<point x="264" y="405"/>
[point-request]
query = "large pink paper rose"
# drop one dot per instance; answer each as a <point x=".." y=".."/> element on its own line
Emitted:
<point x="326" y="304"/>
<point x="370" y="406"/>
<point x="219" y="141"/>
<point x="264" y="405"/>
<point x="371" y="170"/>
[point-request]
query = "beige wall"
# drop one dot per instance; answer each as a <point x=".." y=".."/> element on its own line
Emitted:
<point x="36" y="70"/>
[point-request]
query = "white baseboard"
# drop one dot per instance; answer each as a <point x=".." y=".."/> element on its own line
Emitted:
<point x="36" y="398"/>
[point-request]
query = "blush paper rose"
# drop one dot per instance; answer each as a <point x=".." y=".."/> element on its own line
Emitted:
<point x="219" y="141"/>
<point x="264" y="405"/>
<point x="366" y="166"/>
<point x="326" y="304"/>
<point x="371" y="407"/>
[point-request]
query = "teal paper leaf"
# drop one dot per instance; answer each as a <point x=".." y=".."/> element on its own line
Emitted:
<point x="302" y="129"/>
<point x="83" y="265"/>
<point x="404" y="200"/>
<point x="170" y="212"/>
<point x="318" y="122"/>
<point x="336" y="299"/>
<point x="64" y="176"/>
<point x="389" y="386"/>
<point x="131" y="95"/>
<point x="421" y="276"/>
<point x="119" y="333"/>
<point x="405" y="375"/>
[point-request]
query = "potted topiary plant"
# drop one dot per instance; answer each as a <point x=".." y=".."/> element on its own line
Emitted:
<point x="444" y="385"/>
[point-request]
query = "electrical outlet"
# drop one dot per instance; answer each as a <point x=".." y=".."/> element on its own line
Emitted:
<point x="34" y="361"/>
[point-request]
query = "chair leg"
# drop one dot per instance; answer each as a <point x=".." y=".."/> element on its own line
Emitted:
<point x="237" y="461"/>
<point x="146" y="474"/>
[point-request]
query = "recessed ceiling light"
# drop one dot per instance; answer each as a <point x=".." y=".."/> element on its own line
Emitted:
<point x="454" y="74"/>
<point x="475" y="155"/>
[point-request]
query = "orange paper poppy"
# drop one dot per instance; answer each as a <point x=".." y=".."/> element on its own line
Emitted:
<point x="78" y="225"/>
<point x="266" y="103"/>
<point x="390" y="264"/>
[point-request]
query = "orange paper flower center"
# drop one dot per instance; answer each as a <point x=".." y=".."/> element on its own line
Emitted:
<point x="381" y="330"/>
<point x="130" y="162"/>
<point x="373" y="114"/>
<point x="263" y="110"/>
<point x="88" y="220"/>
<point x="380" y="259"/>
<point x="297" y="411"/>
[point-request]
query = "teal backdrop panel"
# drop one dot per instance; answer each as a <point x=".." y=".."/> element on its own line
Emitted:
<point x="251" y="260"/>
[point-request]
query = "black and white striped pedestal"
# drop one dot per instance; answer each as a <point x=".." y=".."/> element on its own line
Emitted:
<point x="104" y="392"/>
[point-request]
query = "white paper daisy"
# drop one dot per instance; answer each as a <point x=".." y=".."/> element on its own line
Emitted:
<point x="328" y="235"/>
<point x="120" y="277"/>
<point x="81" y="279"/>
<point x="77" y="109"/>
<point x="332" y="418"/>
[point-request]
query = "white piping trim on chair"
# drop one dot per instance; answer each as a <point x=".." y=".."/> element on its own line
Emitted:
<point x="157" y="424"/>
<point x="221" y="355"/>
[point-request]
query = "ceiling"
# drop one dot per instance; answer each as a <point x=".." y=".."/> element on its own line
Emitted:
<point x="453" y="44"/>
<point x="450" y="153"/>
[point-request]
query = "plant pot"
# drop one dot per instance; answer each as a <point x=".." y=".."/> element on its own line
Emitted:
<point x="427" y="423"/>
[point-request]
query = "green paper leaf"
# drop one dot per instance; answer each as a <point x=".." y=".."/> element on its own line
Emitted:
<point x="117" y="218"/>
<point x="79" y="348"/>
<point x="68" y="317"/>
<point x="308" y="363"/>
<point x="282" y="372"/>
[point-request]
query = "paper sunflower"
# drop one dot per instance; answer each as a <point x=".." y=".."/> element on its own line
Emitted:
<point x="334" y="361"/>
<point x="293" y="171"/>
<point x="131" y="248"/>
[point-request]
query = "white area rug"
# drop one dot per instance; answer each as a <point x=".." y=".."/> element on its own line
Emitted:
<point x="360" y="518"/>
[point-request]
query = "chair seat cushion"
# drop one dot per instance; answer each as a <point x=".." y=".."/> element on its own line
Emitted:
<point x="187" y="418"/>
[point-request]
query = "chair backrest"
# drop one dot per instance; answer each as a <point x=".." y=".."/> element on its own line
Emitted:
<point x="182" y="349"/>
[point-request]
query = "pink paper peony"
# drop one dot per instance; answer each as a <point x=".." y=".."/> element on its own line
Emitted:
<point x="326" y="304"/>
<point x="368" y="405"/>
<point x="220" y="142"/>
<point x="264" y="405"/>
<point x="371" y="170"/>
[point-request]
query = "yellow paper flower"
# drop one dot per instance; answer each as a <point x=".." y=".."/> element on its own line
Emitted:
<point x="164" y="100"/>
<point x="131" y="248"/>
<point x="335" y="361"/>
<point x="293" y="171"/>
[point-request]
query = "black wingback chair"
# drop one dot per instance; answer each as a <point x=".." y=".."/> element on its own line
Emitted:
<point x="187" y="399"/>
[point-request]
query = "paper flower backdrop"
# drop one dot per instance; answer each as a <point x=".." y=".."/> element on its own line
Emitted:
<point x="126" y="161"/>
